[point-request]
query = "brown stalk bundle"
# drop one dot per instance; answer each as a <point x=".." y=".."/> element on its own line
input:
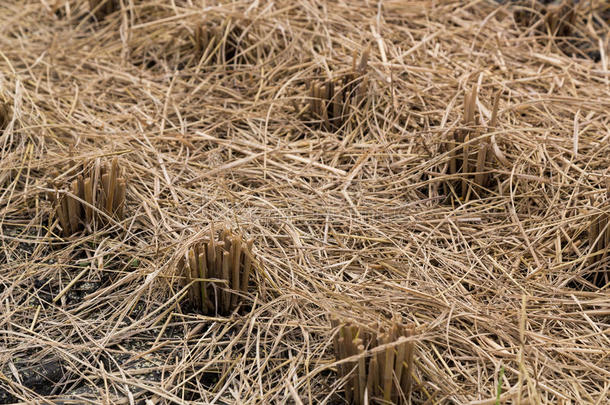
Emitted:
<point x="599" y="239"/>
<point x="570" y="26"/>
<point x="217" y="43"/>
<point x="558" y="17"/>
<point x="5" y="115"/>
<point x="470" y="149"/>
<point x="332" y="101"/>
<point x="93" y="196"/>
<point x="102" y="8"/>
<point x="385" y="375"/>
<point x="218" y="272"/>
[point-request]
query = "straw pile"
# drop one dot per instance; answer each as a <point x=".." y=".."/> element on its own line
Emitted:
<point x="362" y="220"/>
<point x="217" y="272"/>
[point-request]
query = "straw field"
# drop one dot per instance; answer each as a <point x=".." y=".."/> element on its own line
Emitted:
<point x="304" y="202"/>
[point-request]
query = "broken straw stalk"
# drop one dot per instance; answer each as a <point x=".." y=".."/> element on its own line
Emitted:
<point x="556" y="19"/>
<point x="218" y="272"/>
<point x="330" y="102"/>
<point x="5" y="115"/>
<point x="560" y="19"/>
<point x="462" y="148"/>
<point x="92" y="199"/>
<point x="386" y="375"/>
<point x="102" y="8"/>
<point x="217" y="43"/>
<point x="599" y="237"/>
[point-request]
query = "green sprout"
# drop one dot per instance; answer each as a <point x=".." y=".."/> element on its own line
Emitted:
<point x="499" y="390"/>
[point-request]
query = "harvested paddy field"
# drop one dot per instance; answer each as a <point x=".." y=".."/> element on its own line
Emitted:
<point x="304" y="202"/>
